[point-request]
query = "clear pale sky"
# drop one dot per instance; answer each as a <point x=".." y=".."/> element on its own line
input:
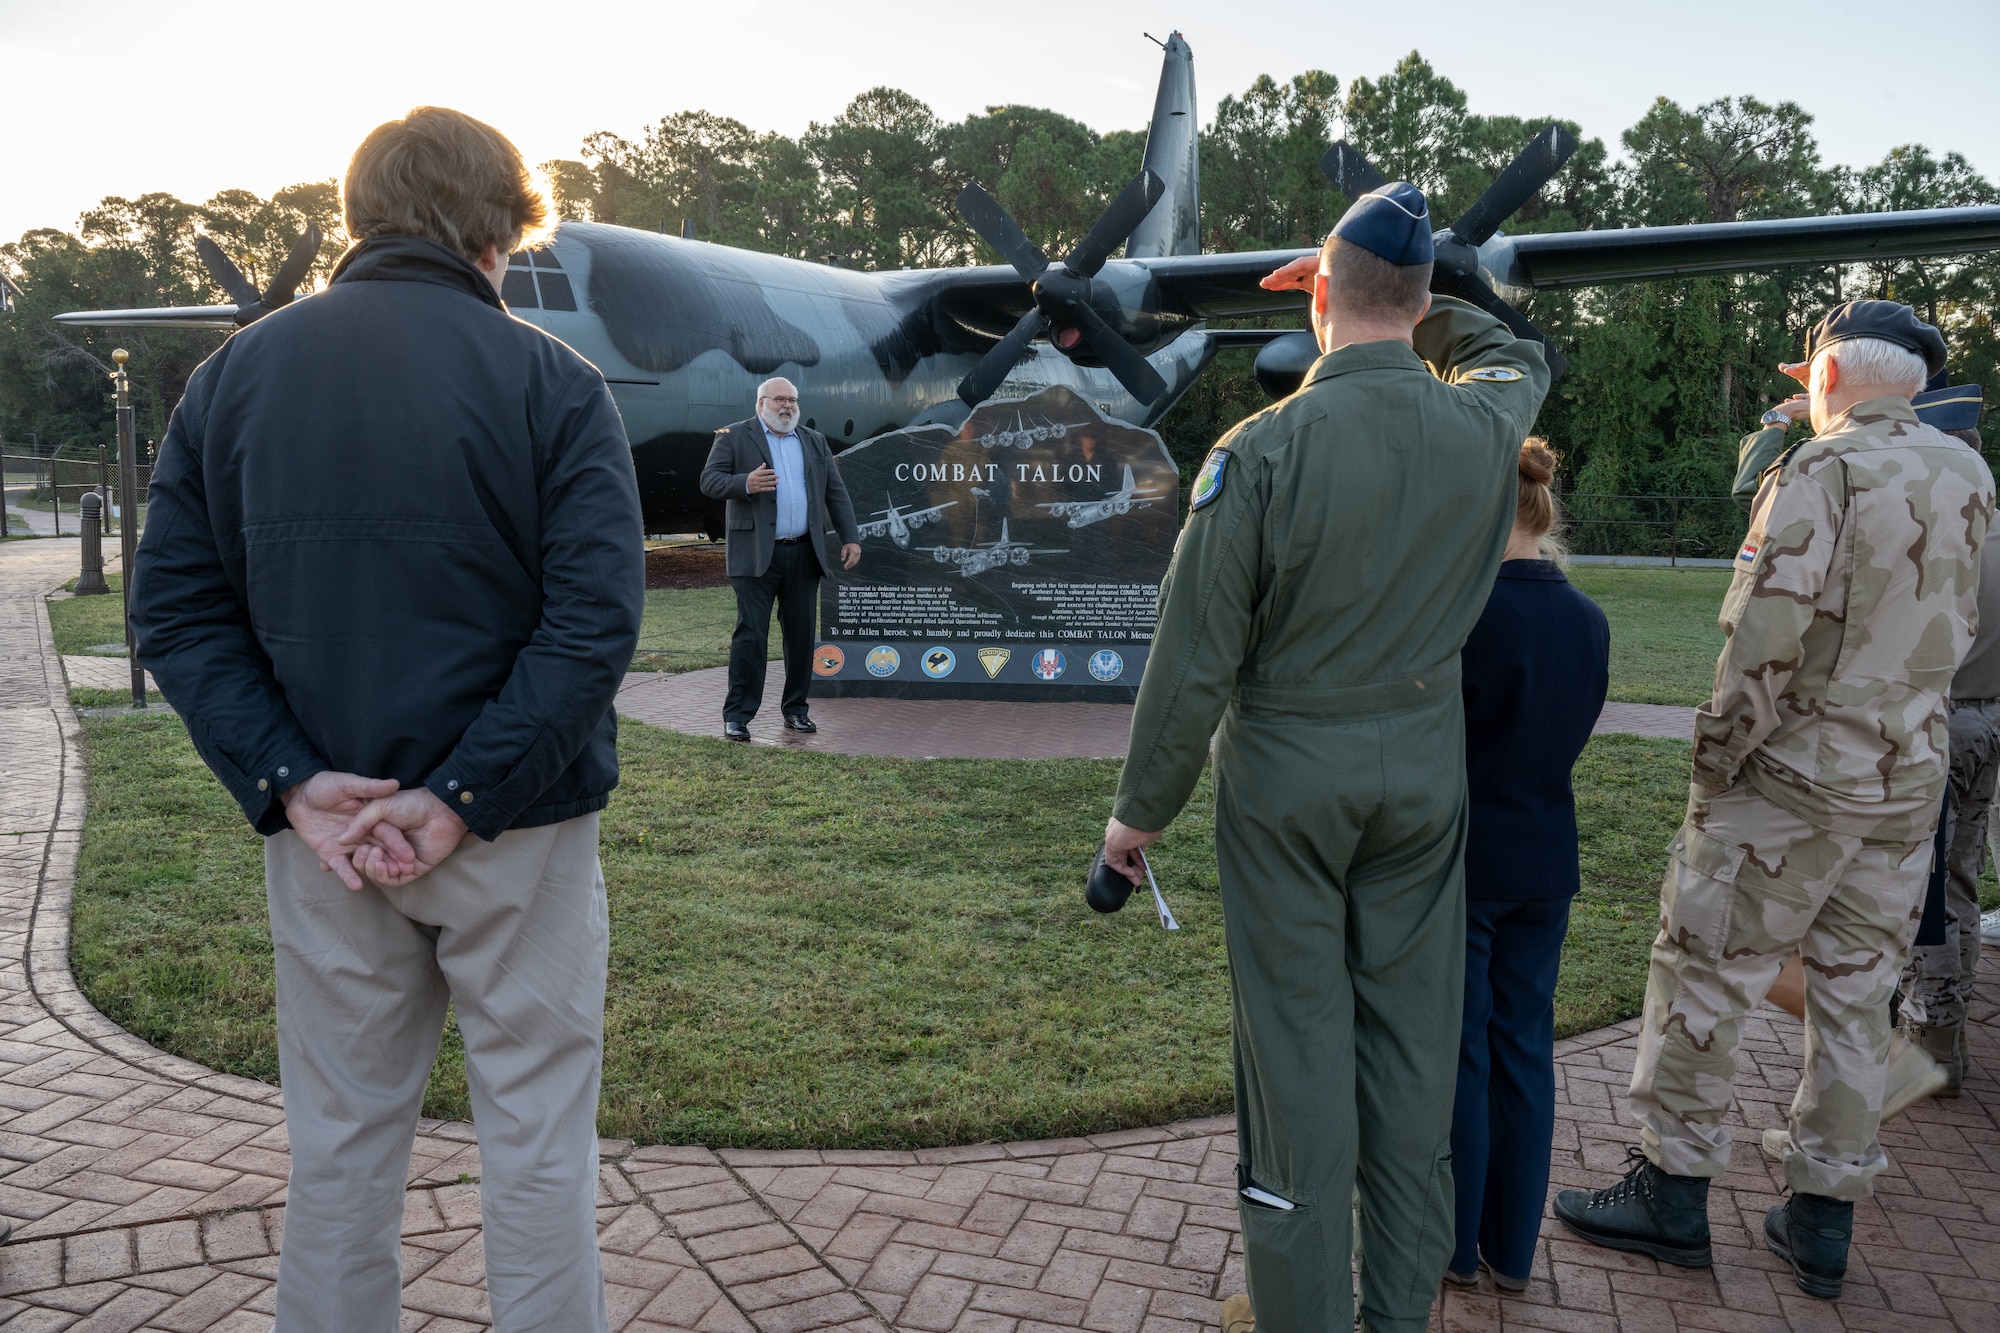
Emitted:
<point x="194" y="96"/>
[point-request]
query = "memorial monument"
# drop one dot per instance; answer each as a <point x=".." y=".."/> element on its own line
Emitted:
<point x="1017" y="557"/>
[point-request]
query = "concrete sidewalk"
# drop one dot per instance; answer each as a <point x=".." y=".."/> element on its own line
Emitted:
<point x="148" y="1192"/>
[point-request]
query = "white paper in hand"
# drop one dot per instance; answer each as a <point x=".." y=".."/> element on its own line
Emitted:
<point x="1167" y="921"/>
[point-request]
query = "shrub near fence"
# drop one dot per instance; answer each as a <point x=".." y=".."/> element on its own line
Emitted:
<point x="1671" y="527"/>
<point x="55" y="485"/>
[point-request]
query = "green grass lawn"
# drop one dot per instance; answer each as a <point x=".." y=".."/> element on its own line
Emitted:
<point x="817" y="949"/>
<point x="1664" y="636"/>
<point x="1663" y="632"/>
<point x="687" y="629"/>
<point x="83" y="623"/>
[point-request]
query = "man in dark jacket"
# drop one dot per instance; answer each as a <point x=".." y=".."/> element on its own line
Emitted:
<point x="391" y="578"/>
<point x="783" y="491"/>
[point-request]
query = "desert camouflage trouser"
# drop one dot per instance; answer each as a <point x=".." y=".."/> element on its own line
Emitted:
<point x="1938" y="982"/>
<point x="1747" y="883"/>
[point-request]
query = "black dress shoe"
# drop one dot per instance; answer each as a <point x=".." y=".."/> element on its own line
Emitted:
<point x="736" y="731"/>
<point x="799" y="722"/>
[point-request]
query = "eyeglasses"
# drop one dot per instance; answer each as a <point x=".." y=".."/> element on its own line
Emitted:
<point x="773" y="398"/>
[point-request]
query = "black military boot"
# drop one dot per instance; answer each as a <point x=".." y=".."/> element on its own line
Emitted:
<point x="1813" y="1232"/>
<point x="1648" y="1212"/>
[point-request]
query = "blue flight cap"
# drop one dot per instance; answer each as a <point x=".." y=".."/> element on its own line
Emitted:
<point x="1954" y="408"/>
<point x="1393" y="222"/>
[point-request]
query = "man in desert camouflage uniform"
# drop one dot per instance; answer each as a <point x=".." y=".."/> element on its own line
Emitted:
<point x="1819" y="766"/>
<point x="1937" y="980"/>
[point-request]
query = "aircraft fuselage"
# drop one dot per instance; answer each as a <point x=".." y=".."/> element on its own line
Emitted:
<point x="684" y="331"/>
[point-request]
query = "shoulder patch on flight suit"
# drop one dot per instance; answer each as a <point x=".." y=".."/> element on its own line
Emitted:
<point x="1496" y="374"/>
<point x="1208" y="482"/>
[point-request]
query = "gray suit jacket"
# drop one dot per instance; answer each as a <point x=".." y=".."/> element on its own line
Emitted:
<point x="741" y="449"/>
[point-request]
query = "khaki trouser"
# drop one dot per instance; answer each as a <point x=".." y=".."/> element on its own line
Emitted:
<point x="1340" y="845"/>
<point x="1749" y="882"/>
<point x="513" y="933"/>
<point x="1937" y="984"/>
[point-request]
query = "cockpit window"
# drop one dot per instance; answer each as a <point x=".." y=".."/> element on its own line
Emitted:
<point x="517" y="289"/>
<point x="544" y="258"/>
<point x="519" y="259"/>
<point x="556" y="293"/>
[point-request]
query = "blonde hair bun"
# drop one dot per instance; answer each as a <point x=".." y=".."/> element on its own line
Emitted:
<point x="1538" y="461"/>
<point x="1537" y="512"/>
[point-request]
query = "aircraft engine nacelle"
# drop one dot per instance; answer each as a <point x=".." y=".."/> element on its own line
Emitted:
<point x="1126" y="297"/>
<point x="1283" y="362"/>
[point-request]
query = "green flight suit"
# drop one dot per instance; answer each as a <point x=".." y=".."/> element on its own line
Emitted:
<point x="1315" y="608"/>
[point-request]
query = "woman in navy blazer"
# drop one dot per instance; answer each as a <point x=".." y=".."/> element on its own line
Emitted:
<point x="1534" y="673"/>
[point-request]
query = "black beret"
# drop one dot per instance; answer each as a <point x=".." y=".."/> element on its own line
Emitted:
<point x="1891" y="321"/>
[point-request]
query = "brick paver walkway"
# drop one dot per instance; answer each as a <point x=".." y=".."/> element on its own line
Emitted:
<point x="148" y="1193"/>
<point x="691" y="702"/>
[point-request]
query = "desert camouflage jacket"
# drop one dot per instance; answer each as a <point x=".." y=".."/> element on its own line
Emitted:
<point x="1852" y="604"/>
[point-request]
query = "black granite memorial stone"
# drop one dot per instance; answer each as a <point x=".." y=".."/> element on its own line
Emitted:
<point x="1018" y="557"/>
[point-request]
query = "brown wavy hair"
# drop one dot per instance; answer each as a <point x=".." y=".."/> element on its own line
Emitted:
<point x="1536" y="508"/>
<point x="441" y="175"/>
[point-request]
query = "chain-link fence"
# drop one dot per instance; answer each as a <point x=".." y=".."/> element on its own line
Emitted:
<point x="42" y="494"/>
<point x="1669" y="527"/>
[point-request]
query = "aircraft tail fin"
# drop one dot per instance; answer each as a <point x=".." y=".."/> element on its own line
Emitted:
<point x="1129" y="485"/>
<point x="1174" y="225"/>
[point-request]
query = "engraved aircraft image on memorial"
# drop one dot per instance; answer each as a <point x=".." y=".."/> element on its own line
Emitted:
<point x="684" y="330"/>
<point x="1022" y="437"/>
<point x="1083" y="513"/>
<point x="896" y="523"/>
<point x="980" y="557"/>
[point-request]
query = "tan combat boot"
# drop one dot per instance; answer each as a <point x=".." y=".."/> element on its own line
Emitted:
<point x="1946" y="1045"/>
<point x="1913" y="1076"/>
<point x="1237" y="1316"/>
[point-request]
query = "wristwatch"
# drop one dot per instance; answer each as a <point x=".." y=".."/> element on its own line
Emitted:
<point x="1776" y="418"/>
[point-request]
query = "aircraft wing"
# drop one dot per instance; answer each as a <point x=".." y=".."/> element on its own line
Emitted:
<point x="168" y="317"/>
<point x="1567" y="259"/>
<point x="1224" y="286"/>
<point x="876" y="529"/>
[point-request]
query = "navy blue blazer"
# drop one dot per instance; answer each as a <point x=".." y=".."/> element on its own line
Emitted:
<point x="1535" y="670"/>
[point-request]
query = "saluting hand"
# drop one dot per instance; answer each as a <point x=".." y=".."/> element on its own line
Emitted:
<point x="1296" y="276"/>
<point x="763" y="479"/>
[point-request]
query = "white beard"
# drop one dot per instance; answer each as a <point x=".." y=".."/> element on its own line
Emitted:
<point x="780" y="422"/>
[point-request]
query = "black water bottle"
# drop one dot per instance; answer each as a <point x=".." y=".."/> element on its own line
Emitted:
<point x="1106" y="890"/>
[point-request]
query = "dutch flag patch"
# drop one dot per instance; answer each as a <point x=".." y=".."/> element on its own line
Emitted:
<point x="1748" y="555"/>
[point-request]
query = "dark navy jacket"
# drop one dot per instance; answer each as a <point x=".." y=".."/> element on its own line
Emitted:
<point x="395" y="531"/>
<point x="1534" y="672"/>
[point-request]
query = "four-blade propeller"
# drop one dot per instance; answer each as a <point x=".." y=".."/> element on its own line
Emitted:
<point x="1456" y="271"/>
<point x="1062" y="291"/>
<point x="252" y="304"/>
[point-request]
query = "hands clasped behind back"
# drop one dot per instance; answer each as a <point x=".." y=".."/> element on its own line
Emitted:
<point x="367" y="827"/>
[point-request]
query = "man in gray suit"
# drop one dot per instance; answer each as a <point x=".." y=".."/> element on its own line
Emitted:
<point x="784" y="492"/>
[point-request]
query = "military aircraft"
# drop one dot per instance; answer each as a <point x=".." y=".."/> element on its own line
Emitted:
<point x="683" y="330"/>
<point x="1083" y="513"/>
<point x="896" y="522"/>
<point x="980" y="557"/>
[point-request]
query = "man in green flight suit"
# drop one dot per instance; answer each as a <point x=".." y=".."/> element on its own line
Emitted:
<point x="1341" y="546"/>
